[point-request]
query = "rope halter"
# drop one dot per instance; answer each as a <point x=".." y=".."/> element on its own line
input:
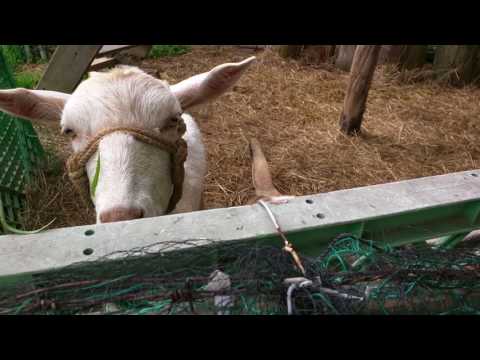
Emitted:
<point x="168" y="139"/>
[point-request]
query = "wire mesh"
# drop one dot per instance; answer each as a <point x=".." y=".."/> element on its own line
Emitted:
<point x="353" y="276"/>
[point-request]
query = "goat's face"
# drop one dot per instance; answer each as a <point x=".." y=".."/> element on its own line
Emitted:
<point x="134" y="179"/>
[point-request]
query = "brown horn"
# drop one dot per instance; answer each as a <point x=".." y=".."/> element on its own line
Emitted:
<point x="262" y="179"/>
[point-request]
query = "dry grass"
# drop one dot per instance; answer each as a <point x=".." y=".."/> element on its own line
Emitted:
<point x="410" y="131"/>
<point x="51" y="195"/>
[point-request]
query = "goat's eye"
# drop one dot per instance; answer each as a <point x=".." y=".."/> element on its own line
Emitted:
<point x="68" y="132"/>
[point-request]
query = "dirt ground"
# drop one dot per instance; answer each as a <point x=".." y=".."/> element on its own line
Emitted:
<point x="293" y="109"/>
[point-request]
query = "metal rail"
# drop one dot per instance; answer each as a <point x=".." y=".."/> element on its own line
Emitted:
<point x="396" y="213"/>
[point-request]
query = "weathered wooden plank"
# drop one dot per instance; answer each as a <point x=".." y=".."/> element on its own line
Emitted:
<point x="121" y="56"/>
<point x="396" y="213"/>
<point x="111" y="49"/>
<point x="102" y="63"/>
<point x="67" y="67"/>
<point x="139" y="51"/>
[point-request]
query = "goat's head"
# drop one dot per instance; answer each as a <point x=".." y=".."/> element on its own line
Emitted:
<point x="134" y="179"/>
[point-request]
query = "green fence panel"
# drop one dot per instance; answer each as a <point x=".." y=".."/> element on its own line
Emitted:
<point x="20" y="154"/>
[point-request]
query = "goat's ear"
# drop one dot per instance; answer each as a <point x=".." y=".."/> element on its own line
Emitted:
<point x="35" y="105"/>
<point x="204" y="87"/>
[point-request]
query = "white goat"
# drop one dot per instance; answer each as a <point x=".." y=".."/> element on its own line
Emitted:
<point x="135" y="179"/>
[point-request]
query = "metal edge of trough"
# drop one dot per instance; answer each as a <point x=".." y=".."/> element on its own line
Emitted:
<point x="324" y="214"/>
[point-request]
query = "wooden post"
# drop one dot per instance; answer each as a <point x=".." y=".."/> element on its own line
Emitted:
<point x="28" y="53"/>
<point x="43" y="53"/>
<point x="290" y="51"/>
<point x="413" y="56"/>
<point x="458" y="63"/>
<point x="385" y="56"/>
<point x="344" y="56"/>
<point x="318" y="54"/>
<point x="363" y="69"/>
<point x="390" y="54"/>
<point x="407" y="57"/>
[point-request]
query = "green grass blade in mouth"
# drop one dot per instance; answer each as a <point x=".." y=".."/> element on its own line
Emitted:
<point x="93" y="187"/>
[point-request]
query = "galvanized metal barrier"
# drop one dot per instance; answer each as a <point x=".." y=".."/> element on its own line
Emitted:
<point x="397" y="213"/>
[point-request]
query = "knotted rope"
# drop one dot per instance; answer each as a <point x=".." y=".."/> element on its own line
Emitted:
<point x="169" y="139"/>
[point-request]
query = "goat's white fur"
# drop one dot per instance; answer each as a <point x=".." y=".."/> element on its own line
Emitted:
<point x="133" y="174"/>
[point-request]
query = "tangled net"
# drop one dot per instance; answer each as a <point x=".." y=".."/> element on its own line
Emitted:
<point x="353" y="276"/>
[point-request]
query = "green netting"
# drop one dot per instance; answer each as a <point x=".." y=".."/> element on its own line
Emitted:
<point x="20" y="153"/>
<point x="353" y="276"/>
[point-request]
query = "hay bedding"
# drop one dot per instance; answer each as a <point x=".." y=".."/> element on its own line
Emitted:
<point x="410" y="131"/>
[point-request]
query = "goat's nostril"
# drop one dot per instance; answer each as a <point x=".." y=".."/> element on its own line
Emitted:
<point x="121" y="214"/>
